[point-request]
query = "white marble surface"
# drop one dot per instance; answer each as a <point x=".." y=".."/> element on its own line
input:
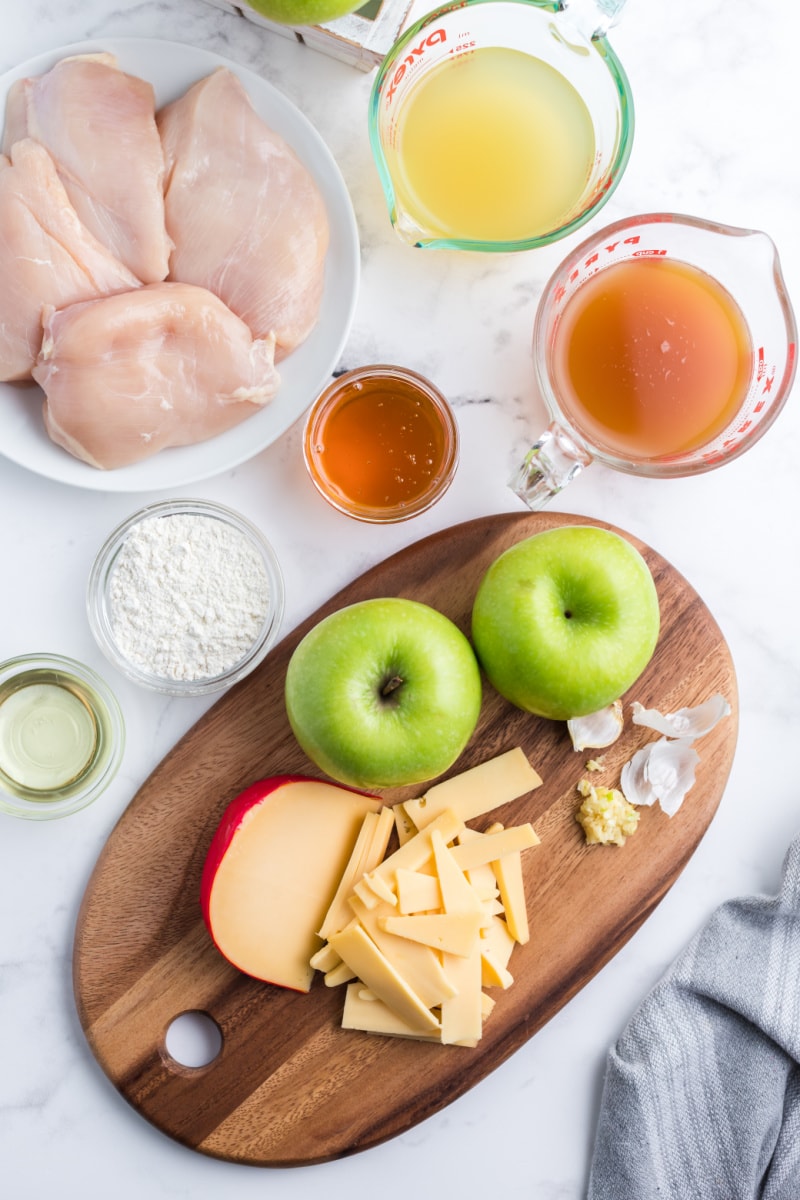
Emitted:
<point x="717" y="112"/>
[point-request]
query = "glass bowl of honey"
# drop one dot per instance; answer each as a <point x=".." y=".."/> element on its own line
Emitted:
<point x="381" y="444"/>
<point x="62" y="736"/>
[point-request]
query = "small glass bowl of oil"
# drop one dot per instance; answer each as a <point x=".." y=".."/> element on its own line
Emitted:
<point x="381" y="444"/>
<point x="62" y="736"/>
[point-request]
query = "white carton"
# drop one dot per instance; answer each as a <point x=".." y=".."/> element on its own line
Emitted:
<point x="362" y="38"/>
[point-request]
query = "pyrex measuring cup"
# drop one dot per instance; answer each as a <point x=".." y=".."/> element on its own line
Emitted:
<point x="501" y="124"/>
<point x="733" y="271"/>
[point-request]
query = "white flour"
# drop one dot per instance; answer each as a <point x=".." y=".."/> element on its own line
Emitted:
<point x="188" y="596"/>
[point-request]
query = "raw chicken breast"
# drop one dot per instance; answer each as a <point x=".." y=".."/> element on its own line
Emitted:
<point x="247" y="219"/>
<point x="99" y="126"/>
<point x="47" y="257"/>
<point x="166" y="365"/>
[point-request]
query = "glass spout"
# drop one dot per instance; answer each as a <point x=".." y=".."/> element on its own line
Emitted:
<point x="551" y="463"/>
<point x="593" y="18"/>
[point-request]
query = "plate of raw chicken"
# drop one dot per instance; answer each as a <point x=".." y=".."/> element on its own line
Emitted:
<point x="180" y="264"/>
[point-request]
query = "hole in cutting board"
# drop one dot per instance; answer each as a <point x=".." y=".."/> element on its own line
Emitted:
<point x="193" y="1039"/>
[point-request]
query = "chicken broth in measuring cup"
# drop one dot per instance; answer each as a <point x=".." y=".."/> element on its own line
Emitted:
<point x="501" y="124"/>
<point x="494" y="146"/>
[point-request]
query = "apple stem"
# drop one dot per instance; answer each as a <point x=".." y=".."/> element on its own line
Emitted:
<point x="391" y="685"/>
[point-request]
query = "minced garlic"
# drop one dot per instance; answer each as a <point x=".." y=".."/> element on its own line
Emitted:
<point x="605" y="815"/>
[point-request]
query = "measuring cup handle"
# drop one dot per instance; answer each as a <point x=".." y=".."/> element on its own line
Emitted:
<point x="551" y="463"/>
<point x="594" y="18"/>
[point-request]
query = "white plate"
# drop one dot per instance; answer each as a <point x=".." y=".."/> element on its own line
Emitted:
<point x="171" y="67"/>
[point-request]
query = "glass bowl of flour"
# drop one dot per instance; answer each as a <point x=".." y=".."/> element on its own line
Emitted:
<point x="185" y="597"/>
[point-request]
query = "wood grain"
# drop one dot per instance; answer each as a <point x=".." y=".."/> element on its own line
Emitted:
<point x="289" y="1086"/>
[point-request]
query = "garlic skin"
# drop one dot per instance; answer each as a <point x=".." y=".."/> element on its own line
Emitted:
<point x="665" y="770"/>
<point x="662" y="771"/>
<point x="686" y="722"/>
<point x="597" y="729"/>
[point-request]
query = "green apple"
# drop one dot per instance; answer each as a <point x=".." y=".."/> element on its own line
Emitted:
<point x="304" y="12"/>
<point x="565" y="621"/>
<point x="383" y="692"/>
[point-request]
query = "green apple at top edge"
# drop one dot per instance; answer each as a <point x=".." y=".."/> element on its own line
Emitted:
<point x="383" y="692"/>
<point x="304" y="12"/>
<point x="565" y="621"/>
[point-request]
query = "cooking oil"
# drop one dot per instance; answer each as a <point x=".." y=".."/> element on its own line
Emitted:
<point x="53" y="734"/>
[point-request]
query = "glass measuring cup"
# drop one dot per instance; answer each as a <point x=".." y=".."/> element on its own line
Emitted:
<point x="735" y="268"/>
<point x="501" y="125"/>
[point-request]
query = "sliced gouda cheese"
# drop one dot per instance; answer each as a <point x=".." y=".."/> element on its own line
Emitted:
<point x="419" y="965"/>
<point x="489" y="847"/>
<point x="373" y="1016"/>
<point x="417" y="892"/>
<point x="493" y="973"/>
<point x="481" y="878"/>
<point x="455" y="933"/>
<point x="368" y="851"/>
<point x="403" y="824"/>
<point x="508" y="872"/>
<point x="462" y="1015"/>
<point x="357" y="949"/>
<point x="498" y="939"/>
<point x="413" y="855"/>
<point x="380" y="888"/>
<point x="457" y="895"/>
<point x="338" y="975"/>
<point x="497" y="945"/>
<point x="476" y="791"/>
<point x="325" y="958"/>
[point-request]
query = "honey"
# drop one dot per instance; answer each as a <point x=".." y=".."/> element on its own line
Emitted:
<point x="381" y="444"/>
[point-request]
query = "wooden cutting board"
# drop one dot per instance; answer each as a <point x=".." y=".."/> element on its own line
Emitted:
<point x="290" y="1086"/>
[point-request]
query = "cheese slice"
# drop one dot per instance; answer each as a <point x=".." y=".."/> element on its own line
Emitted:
<point x="457" y="895"/>
<point x="489" y="847"/>
<point x="420" y="966"/>
<point x="413" y="855"/>
<point x="338" y="975"/>
<point x="376" y="885"/>
<point x="497" y="946"/>
<point x="508" y="872"/>
<point x="462" y="1015"/>
<point x="326" y="958"/>
<point x="356" y="948"/>
<point x="481" y="878"/>
<point x="476" y="791"/>
<point x="368" y="851"/>
<point x="373" y="1016"/>
<point x="455" y="933"/>
<point x="403" y="824"/>
<point x="417" y="892"/>
<point x="493" y="973"/>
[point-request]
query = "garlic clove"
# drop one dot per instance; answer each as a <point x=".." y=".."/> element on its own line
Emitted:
<point x="686" y="722"/>
<point x="596" y="729"/>
<point x="662" y="771"/>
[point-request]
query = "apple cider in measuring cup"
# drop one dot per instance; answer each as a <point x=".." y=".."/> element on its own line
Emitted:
<point x="651" y="357"/>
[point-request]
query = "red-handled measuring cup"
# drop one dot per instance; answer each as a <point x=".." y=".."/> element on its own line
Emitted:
<point x="664" y="345"/>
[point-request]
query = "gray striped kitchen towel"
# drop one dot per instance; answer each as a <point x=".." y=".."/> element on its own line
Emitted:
<point x="701" y="1097"/>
